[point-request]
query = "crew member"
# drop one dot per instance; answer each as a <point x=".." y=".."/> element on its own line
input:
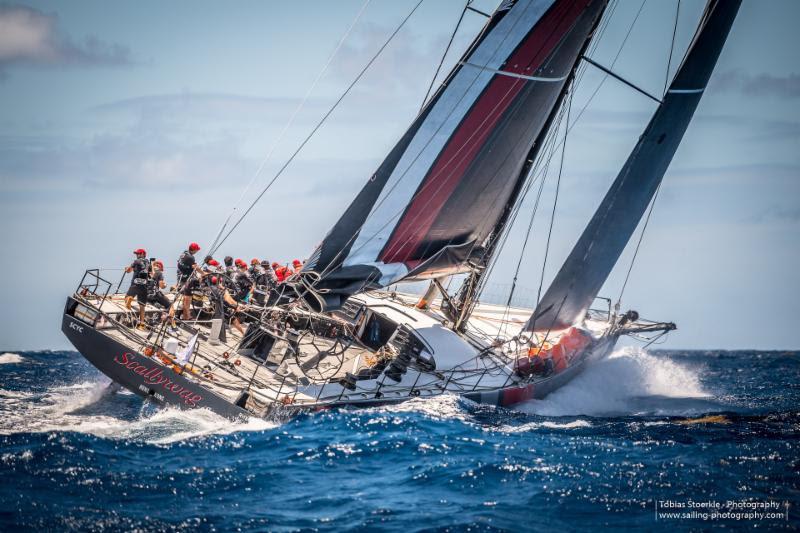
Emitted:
<point x="255" y="269"/>
<point x="230" y="270"/>
<point x="188" y="277"/>
<point x="140" y="269"/>
<point x="186" y="263"/>
<point x="267" y="278"/>
<point x="242" y="283"/>
<point x="155" y="283"/>
<point x="224" y="306"/>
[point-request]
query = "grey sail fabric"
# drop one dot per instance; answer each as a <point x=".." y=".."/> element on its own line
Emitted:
<point x="588" y="265"/>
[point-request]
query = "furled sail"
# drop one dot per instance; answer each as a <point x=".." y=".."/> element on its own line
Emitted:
<point x="437" y="196"/>
<point x="587" y="267"/>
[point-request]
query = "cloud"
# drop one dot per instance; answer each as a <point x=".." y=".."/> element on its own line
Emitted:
<point x="31" y="37"/>
<point x="409" y="62"/>
<point x="787" y="87"/>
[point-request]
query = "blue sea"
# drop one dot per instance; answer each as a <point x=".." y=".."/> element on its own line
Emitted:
<point x="635" y="435"/>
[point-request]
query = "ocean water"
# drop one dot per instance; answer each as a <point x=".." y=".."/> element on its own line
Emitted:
<point x="692" y="428"/>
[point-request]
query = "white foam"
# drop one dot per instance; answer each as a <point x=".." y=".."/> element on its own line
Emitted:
<point x="628" y="382"/>
<point x="442" y="407"/>
<point x="10" y="358"/>
<point x="533" y="426"/>
<point x="55" y="409"/>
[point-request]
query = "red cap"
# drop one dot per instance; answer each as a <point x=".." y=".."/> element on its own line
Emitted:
<point x="213" y="263"/>
<point x="239" y="262"/>
<point x="140" y="251"/>
<point x="254" y="261"/>
<point x="297" y="262"/>
<point x="275" y="265"/>
<point x="159" y="264"/>
<point x="194" y="247"/>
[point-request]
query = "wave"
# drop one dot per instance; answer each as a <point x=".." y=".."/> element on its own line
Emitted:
<point x="9" y="358"/>
<point x="630" y="382"/>
<point x="88" y="408"/>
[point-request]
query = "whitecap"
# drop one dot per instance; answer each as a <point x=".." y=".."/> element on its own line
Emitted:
<point x="533" y="426"/>
<point x="10" y="358"/>
<point x="441" y="407"/>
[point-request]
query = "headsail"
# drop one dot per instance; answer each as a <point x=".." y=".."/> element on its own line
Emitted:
<point x="437" y="196"/>
<point x="587" y="267"/>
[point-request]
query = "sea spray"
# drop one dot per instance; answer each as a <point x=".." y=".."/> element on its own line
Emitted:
<point x="628" y="382"/>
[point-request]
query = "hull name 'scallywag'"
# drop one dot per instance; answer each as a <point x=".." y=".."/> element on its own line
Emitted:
<point x="153" y="375"/>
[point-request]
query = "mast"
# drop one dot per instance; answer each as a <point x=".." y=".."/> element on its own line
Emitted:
<point x="467" y="296"/>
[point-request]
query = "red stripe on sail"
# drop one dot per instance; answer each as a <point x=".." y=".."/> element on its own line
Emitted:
<point x="471" y="134"/>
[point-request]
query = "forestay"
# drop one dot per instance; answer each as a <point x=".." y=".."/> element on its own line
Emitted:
<point x="433" y="201"/>
<point x="587" y="267"/>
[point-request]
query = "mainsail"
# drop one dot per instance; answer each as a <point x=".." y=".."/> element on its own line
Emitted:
<point x="587" y="267"/>
<point x="433" y="201"/>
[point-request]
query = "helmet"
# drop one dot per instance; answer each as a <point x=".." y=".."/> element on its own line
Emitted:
<point x="140" y="251"/>
<point x="194" y="247"/>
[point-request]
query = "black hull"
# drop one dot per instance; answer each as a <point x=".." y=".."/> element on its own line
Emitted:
<point x="140" y="374"/>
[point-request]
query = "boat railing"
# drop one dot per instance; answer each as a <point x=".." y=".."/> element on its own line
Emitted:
<point x="94" y="286"/>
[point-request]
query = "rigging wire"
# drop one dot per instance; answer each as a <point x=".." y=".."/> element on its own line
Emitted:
<point x="444" y="55"/>
<point x="658" y="189"/>
<point x="672" y="46"/>
<point x="513" y="287"/>
<point x="638" y="244"/>
<point x="319" y="124"/>
<point x="555" y="204"/>
<point x="534" y="174"/>
<point x="409" y="233"/>
<point x="379" y="203"/>
<point x="290" y="122"/>
<point x="577" y="118"/>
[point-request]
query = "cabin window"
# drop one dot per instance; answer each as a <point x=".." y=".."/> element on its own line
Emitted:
<point x="378" y="331"/>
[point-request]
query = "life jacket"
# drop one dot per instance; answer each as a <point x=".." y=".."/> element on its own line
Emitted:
<point x="141" y="271"/>
<point x="243" y="284"/>
<point x="185" y="262"/>
<point x="153" y="282"/>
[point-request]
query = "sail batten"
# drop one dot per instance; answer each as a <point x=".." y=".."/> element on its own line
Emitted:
<point x="590" y="262"/>
<point x="438" y="195"/>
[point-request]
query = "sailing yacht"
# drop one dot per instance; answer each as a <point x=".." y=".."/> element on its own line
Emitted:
<point x="440" y="205"/>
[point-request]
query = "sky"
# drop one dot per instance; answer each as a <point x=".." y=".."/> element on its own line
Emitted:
<point x="141" y="124"/>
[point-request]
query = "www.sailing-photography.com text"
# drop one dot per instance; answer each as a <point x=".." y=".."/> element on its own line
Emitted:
<point x="712" y="510"/>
